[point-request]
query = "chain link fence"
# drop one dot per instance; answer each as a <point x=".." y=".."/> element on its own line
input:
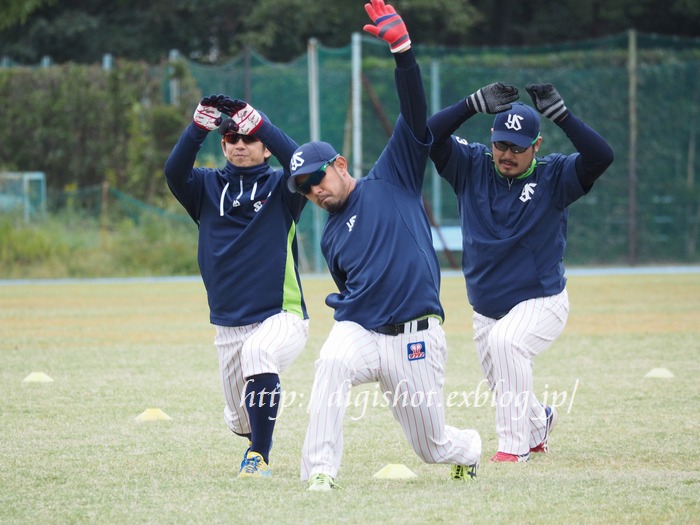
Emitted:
<point x="641" y="92"/>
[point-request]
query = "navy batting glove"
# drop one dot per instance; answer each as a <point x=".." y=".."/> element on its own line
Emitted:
<point x="547" y="100"/>
<point x="230" y="106"/>
<point x="493" y="98"/>
<point x="388" y="26"/>
<point x="228" y="126"/>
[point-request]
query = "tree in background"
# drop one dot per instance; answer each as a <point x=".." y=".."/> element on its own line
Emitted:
<point x="17" y="11"/>
<point x="540" y="22"/>
<point x="216" y="30"/>
<point x="84" y="30"/>
<point x="83" y="125"/>
<point x="280" y="29"/>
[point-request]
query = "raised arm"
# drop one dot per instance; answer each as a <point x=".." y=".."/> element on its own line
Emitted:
<point x="493" y="98"/>
<point x="179" y="168"/>
<point x="390" y="27"/>
<point x="207" y="117"/>
<point x="595" y="153"/>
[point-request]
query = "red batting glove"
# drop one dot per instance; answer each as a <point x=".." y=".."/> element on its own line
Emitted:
<point x="388" y="26"/>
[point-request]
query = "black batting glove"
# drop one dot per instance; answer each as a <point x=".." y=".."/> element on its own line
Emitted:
<point x="230" y="106"/>
<point x="228" y="126"/>
<point x="493" y="98"/>
<point x="548" y="101"/>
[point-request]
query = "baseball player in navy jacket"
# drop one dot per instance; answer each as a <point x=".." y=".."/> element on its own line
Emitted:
<point x="378" y="247"/>
<point x="247" y="257"/>
<point x="514" y="211"/>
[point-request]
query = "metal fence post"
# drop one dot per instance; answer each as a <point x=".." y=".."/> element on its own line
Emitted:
<point x="107" y="62"/>
<point x="357" y="105"/>
<point x="315" y="134"/>
<point x="632" y="165"/>
<point x="174" y="84"/>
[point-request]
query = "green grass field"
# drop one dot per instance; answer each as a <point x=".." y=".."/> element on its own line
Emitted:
<point x="626" y="448"/>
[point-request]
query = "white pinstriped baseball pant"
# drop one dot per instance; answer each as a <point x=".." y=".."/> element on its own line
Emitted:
<point x="267" y="347"/>
<point x="507" y="348"/>
<point x="352" y="356"/>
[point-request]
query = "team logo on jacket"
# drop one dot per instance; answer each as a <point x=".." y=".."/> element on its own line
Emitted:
<point x="416" y="351"/>
<point x="351" y="223"/>
<point x="528" y="191"/>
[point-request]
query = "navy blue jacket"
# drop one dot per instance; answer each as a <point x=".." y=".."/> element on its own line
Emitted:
<point x="247" y="222"/>
<point x="514" y="231"/>
<point x="379" y="247"/>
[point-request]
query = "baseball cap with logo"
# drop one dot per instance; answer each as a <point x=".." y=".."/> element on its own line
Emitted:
<point x="308" y="159"/>
<point x="519" y="125"/>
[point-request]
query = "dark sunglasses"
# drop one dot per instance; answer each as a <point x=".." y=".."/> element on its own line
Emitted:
<point x="504" y="146"/>
<point x="232" y="138"/>
<point x="315" y="178"/>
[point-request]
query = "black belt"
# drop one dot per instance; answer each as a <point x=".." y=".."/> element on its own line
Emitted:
<point x="398" y="329"/>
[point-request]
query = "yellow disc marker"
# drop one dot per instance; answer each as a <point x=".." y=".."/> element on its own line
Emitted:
<point x="152" y="414"/>
<point x="663" y="373"/>
<point x="395" y="471"/>
<point x="37" y="377"/>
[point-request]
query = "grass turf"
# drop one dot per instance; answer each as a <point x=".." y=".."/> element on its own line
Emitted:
<point x="624" y="450"/>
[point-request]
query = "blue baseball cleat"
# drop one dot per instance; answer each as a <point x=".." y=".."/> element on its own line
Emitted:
<point x="245" y="454"/>
<point x="254" y="466"/>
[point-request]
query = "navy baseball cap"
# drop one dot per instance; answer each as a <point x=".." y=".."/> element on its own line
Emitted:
<point x="519" y="125"/>
<point x="308" y="159"/>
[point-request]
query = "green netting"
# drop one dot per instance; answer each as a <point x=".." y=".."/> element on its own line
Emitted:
<point x="592" y="76"/>
<point x="111" y="206"/>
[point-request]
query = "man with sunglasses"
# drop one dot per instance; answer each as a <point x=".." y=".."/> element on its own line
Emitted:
<point x="514" y="210"/>
<point x="248" y="260"/>
<point x="378" y="247"/>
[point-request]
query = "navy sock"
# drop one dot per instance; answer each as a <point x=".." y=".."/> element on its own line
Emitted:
<point x="262" y="397"/>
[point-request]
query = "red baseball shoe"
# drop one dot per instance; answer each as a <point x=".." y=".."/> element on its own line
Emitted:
<point x="504" y="457"/>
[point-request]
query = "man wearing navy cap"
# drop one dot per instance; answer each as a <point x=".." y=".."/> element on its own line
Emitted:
<point x="378" y="247"/>
<point x="514" y="211"/>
